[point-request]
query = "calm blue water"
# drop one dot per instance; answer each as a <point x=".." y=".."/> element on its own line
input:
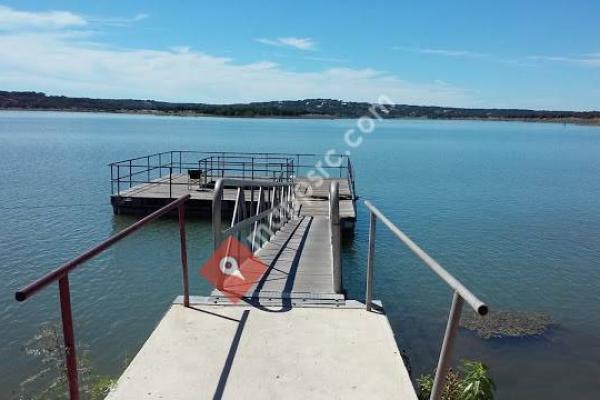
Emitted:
<point x="512" y="209"/>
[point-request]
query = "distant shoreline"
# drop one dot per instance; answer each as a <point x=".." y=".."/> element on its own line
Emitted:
<point x="287" y="109"/>
<point x="158" y="113"/>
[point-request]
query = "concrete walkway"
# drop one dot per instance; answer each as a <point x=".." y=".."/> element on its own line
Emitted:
<point x="241" y="352"/>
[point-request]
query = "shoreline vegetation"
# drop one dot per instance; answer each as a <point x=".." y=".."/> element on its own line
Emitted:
<point x="296" y="109"/>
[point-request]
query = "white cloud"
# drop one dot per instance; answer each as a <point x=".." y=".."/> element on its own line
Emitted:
<point x="441" y="52"/>
<point x="61" y="64"/>
<point x="294" y="42"/>
<point x="11" y="19"/>
<point x="68" y="61"/>
<point x="586" y="60"/>
<point x="121" y="21"/>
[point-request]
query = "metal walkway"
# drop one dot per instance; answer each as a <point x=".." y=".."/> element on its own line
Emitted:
<point x="300" y="251"/>
<point x="300" y="262"/>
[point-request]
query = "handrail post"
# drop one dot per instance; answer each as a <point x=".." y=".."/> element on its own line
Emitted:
<point x="370" y="259"/>
<point x="68" y="336"/>
<point x="334" y="217"/>
<point x="258" y="210"/>
<point x="112" y="180"/>
<point x="216" y="213"/>
<point x="170" y="182"/>
<point x="184" y="260"/>
<point x="447" y="345"/>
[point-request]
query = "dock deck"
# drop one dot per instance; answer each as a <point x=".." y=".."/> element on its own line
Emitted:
<point x="229" y="352"/>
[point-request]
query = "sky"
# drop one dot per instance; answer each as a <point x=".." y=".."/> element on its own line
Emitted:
<point x="506" y="54"/>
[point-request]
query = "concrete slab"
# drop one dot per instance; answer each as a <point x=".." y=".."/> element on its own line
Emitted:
<point x="243" y="352"/>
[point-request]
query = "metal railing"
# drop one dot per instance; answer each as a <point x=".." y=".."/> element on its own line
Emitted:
<point x="163" y="168"/>
<point x="246" y="166"/>
<point x="350" y="177"/>
<point x="460" y="293"/>
<point x="61" y="274"/>
<point x="166" y="167"/>
<point x="269" y="206"/>
<point x="336" y="244"/>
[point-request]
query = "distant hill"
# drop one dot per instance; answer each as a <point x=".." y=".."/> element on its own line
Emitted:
<point x="310" y="108"/>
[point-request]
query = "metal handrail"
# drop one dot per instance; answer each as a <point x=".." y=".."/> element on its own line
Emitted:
<point x="277" y="200"/>
<point x="460" y="293"/>
<point x="61" y="274"/>
<point x="336" y="246"/>
<point x="214" y="165"/>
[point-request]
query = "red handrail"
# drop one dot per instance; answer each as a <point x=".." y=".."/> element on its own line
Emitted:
<point x="61" y="274"/>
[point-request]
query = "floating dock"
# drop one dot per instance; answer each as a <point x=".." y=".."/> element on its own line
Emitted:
<point x="144" y="184"/>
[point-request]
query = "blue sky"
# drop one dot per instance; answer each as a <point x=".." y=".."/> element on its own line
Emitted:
<point x="524" y="54"/>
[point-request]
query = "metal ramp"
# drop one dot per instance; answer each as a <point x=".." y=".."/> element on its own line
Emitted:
<point x="302" y="266"/>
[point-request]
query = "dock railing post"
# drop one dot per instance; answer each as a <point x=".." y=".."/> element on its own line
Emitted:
<point x="216" y="220"/>
<point x="130" y="174"/>
<point x="370" y="259"/>
<point x="334" y="217"/>
<point x="447" y="345"/>
<point x="170" y="182"/>
<point x="216" y="213"/>
<point x="68" y="336"/>
<point x="112" y="180"/>
<point x="184" y="260"/>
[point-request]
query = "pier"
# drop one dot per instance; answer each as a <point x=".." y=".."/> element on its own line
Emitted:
<point x="292" y="332"/>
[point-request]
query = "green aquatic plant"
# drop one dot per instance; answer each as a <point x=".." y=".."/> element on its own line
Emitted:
<point x="50" y="382"/>
<point x="500" y="324"/>
<point x="471" y="382"/>
<point x="476" y="383"/>
<point x="451" y="386"/>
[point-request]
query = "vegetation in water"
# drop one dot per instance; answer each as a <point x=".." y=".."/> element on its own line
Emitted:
<point x="498" y="324"/>
<point x="470" y="382"/>
<point x="50" y="382"/>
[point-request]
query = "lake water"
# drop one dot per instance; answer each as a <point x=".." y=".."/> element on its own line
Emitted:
<point x="512" y="209"/>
